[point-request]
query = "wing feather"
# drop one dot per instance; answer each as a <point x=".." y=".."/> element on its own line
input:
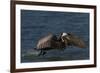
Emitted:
<point x="45" y="41"/>
<point x="77" y="42"/>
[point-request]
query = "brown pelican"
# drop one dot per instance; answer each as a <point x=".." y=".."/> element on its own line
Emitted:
<point x="51" y="41"/>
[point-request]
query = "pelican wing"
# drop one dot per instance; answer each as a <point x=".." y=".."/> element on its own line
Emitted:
<point x="76" y="41"/>
<point x="45" y="42"/>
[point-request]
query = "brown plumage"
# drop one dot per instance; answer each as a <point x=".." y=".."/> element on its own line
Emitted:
<point x="65" y="39"/>
<point x="74" y="40"/>
<point x="50" y="41"/>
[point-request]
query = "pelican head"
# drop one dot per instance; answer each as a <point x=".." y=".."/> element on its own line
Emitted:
<point x="72" y="39"/>
<point x="65" y="36"/>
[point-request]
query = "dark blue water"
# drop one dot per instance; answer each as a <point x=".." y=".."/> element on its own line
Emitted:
<point x="36" y="24"/>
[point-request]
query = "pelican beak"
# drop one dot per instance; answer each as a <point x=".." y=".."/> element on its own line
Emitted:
<point x="67" y="37"/>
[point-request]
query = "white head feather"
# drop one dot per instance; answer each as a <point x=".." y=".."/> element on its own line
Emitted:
<point x="64" y="34"/>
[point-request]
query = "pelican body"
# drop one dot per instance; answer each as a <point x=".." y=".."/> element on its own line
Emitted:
<point x="51" y="41"/>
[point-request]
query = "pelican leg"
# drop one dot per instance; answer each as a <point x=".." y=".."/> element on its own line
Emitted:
<point x="42" y="52"/>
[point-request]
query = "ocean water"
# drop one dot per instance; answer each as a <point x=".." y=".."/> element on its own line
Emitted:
<point x="36" y="24"/>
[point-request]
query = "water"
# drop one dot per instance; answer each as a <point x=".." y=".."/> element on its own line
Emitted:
<point x="36" y="24"/>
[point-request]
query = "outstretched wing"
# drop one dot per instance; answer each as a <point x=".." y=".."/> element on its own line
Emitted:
<point x="77" y="41"/>
<point x="45" y="42"/>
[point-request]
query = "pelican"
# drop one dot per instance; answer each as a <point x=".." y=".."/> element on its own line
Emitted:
<point x="51" y="41"/>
